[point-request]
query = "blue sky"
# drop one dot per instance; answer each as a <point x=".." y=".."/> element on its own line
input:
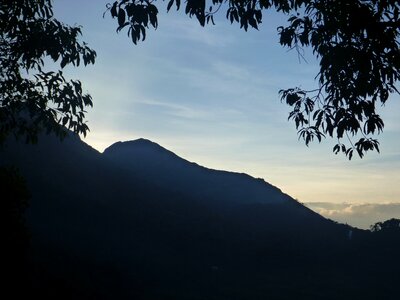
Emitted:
<point x="211" y="96"/>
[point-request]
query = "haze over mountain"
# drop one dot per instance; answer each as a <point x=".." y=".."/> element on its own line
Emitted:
<point x="140" y="222"/>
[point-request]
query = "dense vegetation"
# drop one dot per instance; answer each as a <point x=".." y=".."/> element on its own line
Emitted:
<point x="356" y="42"/>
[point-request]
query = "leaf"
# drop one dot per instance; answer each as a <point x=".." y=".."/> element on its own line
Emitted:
<point x="169" y="5"/>
<point x="143" y="32"/>
<point x="153" y="20"/>
<point x="336" y="149"/>
<point x="134" y="34"/>
<point x="291" y="99"/>
<point x="114" y="9"/>
<point x="350" y="154"/>
<point x="64" y="62"/>
<point x="121" y="17"/>
<point x="235" y="15"/>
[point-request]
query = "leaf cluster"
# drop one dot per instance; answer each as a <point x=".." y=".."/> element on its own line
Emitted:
<point x="388" y="225"/>
<point x="136" y="15"/>
<point x="32" y="100"/>
<point x="357" y="43"/>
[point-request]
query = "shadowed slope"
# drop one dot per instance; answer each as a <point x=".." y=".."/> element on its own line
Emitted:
<point x="168" y="170"/>
<point x="140" y="222"/>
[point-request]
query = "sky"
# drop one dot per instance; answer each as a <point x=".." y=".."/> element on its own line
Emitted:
<point x="211" y="96"/>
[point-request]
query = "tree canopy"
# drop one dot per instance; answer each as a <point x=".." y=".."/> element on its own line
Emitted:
<point x="32" y="98"/>
<point x="356" y="43"/>
<point x="387" y="226"/>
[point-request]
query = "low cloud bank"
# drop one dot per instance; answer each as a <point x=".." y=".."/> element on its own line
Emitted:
<point x="360" y="215"/>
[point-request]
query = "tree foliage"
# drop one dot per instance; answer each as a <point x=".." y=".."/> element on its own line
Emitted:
<point x="356" y="42"/>
<point x="33" y="99"/>
<point x="392" y="225"/>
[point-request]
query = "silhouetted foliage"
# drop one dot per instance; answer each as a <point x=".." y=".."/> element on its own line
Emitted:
<point x="386" y="226"/>
<point x="32" y="98"/>
<point x="356" y="42"/>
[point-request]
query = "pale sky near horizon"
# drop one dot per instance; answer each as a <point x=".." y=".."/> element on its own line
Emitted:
<point x="211" y="96"/>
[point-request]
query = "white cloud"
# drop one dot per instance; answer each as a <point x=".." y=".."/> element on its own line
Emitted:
<point x="178" y="110"/>
<point x="360" y="215"/>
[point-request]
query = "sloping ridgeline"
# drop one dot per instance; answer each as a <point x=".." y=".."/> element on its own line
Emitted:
<point x="139" y="222"/>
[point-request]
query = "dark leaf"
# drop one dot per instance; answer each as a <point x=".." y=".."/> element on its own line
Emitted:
<point x="121" y="17"/>
<point x="170" y="3"/>
<point x="114" y="9"/>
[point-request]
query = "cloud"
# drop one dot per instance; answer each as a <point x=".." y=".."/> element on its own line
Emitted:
<point x="183" y="29"/>
<point x="360" y="215"/>
<point x="178" y="110"/>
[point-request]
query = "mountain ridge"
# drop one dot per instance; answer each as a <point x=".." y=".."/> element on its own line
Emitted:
<point x="173" y="170"/>
<point x="144" y="227"/>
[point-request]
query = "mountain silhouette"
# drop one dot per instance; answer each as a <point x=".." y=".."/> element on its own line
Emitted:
<point x="168" y="170"/>
<point x="138" y="221"/>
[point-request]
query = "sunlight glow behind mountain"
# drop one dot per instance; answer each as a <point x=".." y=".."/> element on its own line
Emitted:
<point x="211" y="95"/>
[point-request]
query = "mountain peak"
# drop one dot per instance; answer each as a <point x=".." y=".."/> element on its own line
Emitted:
<point x="134" y="144"/>
<point x="157" y="164"/>
<point x="143" y="148"/>
<point x="142" y="141"/>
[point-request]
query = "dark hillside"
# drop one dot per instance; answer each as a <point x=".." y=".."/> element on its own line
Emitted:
<point x="166" y="169"/>
<point x="138" y="222"/>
